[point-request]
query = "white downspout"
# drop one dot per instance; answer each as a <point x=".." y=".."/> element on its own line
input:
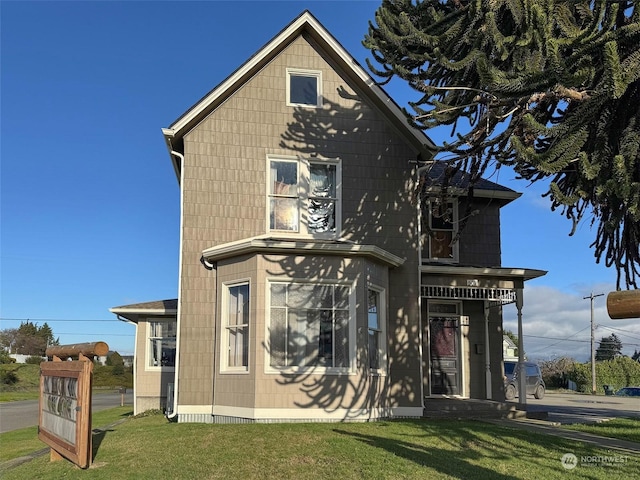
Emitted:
<point x="174" y="410"/>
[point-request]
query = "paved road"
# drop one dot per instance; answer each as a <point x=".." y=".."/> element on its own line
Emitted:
<point x="579" y="408"/>
<point x="15" y="415"/>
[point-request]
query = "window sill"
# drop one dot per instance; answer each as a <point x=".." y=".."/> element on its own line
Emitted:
<point x="309" y="371"/>
<point x="160" y="369"/>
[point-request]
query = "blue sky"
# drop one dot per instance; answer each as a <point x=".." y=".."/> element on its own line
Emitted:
<point x="89" y="199"/>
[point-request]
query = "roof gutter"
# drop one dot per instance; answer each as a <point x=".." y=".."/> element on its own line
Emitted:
<point x="169" y="134"/>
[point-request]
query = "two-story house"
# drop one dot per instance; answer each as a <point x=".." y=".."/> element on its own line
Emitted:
<point x="323" y="277"/>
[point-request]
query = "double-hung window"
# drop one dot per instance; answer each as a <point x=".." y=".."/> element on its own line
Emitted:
<point x="375" y="320"/>
<point x="304" y="196"/>
<point x="309" y="326"/>
<point x="162" y="343"/>
<point x="439" y="227"/>
<point x="235" y="352"/>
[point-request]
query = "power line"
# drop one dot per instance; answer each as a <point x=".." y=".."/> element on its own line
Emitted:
<point x="561" y="339"/>
<point x="51" y="320"/>
<point x="624" y="332"/>
<point x="93" y="334"/>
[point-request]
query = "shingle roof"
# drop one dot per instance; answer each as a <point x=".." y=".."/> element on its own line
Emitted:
<point x="461" y="179"/>
<point x="157" y="307"/>
<point x="171" y="304"/>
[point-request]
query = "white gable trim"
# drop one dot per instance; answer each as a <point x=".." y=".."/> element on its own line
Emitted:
<point x="306" y="21"/>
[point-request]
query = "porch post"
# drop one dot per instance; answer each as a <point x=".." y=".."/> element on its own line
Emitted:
<point x="487" y="352"/>
<point x="522" y="385"/>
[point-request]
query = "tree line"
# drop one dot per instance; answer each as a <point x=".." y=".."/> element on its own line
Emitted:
<point x="28" y="339"/>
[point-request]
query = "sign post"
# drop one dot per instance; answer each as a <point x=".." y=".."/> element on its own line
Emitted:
<point x="65" y="402"/>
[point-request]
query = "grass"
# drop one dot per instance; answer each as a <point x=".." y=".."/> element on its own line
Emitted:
<point x="622" y="428"/>
<point x="25" y="441"/>
<point x="26" y="384"/>
<point x="150" y="447"/>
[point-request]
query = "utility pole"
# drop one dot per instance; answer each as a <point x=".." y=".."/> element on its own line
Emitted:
<point x="593" y="350"/>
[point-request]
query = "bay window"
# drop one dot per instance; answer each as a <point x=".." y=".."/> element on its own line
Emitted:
<point x="376" y="330"/>
<point x="235" y="351"/>
<point x="309" y="326"/>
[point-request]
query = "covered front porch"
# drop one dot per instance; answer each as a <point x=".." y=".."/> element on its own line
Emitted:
<point x="461" y="329"/>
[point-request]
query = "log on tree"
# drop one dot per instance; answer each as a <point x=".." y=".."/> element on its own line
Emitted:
<point x="624" y="304"/>
<point x="87" y="349"/>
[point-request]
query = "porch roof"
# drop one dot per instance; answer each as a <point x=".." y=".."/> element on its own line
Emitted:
<point x="510" y="273"/>
<point x="156" y="308"/>
<point x="497" y="284"/>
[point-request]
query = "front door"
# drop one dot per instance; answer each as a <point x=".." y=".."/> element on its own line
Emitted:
<point x="444" y="349"/>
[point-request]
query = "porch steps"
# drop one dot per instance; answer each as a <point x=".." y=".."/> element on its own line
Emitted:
<point x="471" y="408"/>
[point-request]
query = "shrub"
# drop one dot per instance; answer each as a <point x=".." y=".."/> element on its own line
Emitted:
<point x="5" y="358"/>
<point x="34" y="360"/>
<point x="618" y="372"/>
<point x="8" y="377"/>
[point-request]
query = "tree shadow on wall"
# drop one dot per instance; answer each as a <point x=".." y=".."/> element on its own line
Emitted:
<point x="378" y="179"/>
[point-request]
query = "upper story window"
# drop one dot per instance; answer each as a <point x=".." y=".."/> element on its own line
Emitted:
<point x="235" y="335"/>
<point x="309" y="327"/>
<point x="162" y="343"/>
<point x="304" y="88"/>
<point x="440" y="228"/>
<point x="304" y="196"/>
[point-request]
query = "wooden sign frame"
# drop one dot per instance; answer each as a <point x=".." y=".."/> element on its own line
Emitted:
<point x="65" y="409"/>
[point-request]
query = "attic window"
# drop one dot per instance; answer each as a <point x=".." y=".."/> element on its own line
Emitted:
<point x="304" y="88"/>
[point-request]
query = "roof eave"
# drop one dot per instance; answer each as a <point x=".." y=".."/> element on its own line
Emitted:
<point x="293" y="247"/>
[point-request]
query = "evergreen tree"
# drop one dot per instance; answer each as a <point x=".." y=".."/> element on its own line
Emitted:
<point x="636" y="356"/>
<point x="549" y="87"/>
<point x="28" y="339"/>
<point x="114" y="359"/>
<point x="609" y="348"/>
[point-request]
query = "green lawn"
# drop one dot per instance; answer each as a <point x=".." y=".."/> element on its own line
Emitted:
<point x="623" y="428"/>
<point x="150" y="447"/>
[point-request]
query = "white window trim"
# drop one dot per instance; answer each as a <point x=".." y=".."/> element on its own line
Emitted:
<point x="306" y="73"/>
<point x="304" y="165"/>
<point x="147" y="350"/>
<point x="351" y="370"/>
<point x="426" y="247"/>
<point x="382" y="319"/>
<point x="224" y="328"/>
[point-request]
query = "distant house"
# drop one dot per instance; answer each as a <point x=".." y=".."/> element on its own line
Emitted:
<point x="127" y="360"/>
<point x="323" y="275"/>
<point x="509" y="348"/>
<point x="19" y="358"/>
